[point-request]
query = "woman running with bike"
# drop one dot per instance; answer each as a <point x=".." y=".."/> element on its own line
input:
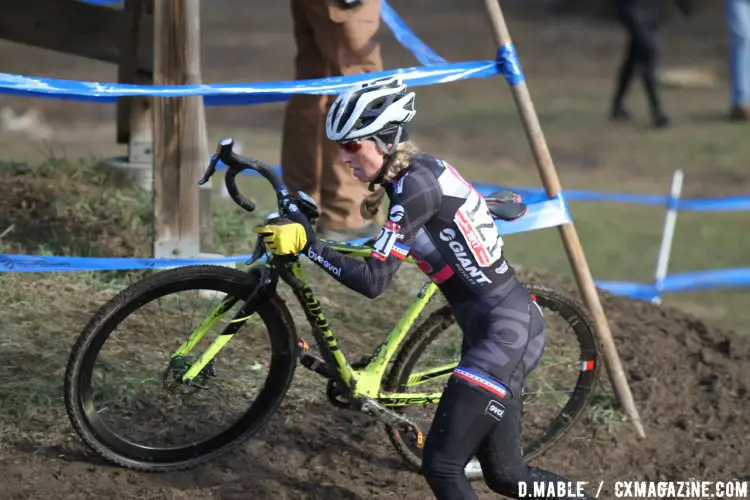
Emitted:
<point x="445" y="225"/>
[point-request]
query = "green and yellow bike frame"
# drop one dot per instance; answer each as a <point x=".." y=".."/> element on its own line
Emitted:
<point x="362" y="383"/>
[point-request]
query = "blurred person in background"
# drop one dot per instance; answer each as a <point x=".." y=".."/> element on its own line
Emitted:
<point x="641" y="20"/>
<point x="738" y="21"/>
<point x="333" y="38"/>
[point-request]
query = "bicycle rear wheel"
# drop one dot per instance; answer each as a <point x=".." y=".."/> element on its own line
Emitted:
<point x="555" y="393"/>
<point x="143" y="417"/>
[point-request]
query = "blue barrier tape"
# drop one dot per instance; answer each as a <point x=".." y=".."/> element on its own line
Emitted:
<point x="542" y="215"/>
<point x="421" y="51"/>
<point x="706" y="280"/>
<point x="681" y="282"/>
<point x="641" y="291"/>
<point x="509" y="65"/>
<point x="720" y="204"/>
<point x="537" y="195"/>
<point x="224" y="94"/>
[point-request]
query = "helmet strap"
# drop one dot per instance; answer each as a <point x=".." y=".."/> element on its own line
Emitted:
<point x="387" y="155"/>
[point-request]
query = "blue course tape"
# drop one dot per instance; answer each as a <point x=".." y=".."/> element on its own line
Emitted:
<point x="706" y="280"/>
<point x="541" y="215"/>
<point x="683" y="282"/>
<point x="509" y="65"/>
<point x="720" y="204"/>
<point x="641" y="291"/>
<point x="44" y="264"/>
<point x="421" y="51"/>
<point x="224" y="94"/>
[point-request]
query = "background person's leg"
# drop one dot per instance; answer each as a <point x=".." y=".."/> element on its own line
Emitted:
<point x="303" y="131"/>
<point x="624" y="77"/>
<point x="649" y="53"/>
<point x="347" y="38"/>
<point x="738" y="22"/>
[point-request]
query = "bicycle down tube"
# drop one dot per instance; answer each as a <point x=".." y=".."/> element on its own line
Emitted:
<point x="365" y="382"/>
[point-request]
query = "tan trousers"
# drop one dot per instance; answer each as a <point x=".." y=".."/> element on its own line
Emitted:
<point x="330" y="42"/>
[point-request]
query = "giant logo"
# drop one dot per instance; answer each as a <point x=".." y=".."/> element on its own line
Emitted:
<point x="467" y="267"/>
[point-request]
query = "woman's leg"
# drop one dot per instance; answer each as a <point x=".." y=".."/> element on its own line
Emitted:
<point x="460" y="425"/>
<point x="472" y="421"/>
<point x="503" y="463"/>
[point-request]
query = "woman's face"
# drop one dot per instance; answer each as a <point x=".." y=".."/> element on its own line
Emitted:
<point x="363" y="157"/>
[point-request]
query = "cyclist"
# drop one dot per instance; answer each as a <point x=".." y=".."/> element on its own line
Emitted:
<point x="438" y="218"/>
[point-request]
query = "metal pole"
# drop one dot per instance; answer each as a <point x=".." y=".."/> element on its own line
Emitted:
<point x="670" y="221"/>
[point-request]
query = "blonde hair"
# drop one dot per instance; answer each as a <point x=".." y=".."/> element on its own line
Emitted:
<point x="397" y="164"/>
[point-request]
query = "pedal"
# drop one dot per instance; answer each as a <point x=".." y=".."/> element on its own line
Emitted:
<point x="314" y="363"/>
<point x="420" y="440"/>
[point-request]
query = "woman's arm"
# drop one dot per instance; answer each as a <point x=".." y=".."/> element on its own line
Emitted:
<point x="418" y="202"/>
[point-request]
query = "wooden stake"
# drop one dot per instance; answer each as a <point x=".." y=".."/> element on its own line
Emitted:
<point x="180" y="147"/>
<point x="568" y="232"/>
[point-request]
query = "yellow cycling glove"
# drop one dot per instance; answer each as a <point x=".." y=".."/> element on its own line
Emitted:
<point x="283" y="237"/>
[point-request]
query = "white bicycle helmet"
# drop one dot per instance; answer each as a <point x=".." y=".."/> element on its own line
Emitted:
<point x="375" y="109"/>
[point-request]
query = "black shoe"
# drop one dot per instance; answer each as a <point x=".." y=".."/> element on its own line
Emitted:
<point x="661" y="120"/>
<point x="619" y="113"/>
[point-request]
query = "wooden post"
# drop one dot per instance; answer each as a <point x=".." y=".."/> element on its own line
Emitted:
<point x="180" y="147"/>
<point x="568" y="232"/>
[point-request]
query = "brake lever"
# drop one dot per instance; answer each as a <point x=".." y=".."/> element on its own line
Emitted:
<point x="282" y="269"/>
<point x="210" y="171"/>
<point x="258" y="252"/>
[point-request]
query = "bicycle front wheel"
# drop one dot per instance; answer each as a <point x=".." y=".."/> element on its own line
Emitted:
<point x="123" y="389"/>
<point x="556" y="392"/>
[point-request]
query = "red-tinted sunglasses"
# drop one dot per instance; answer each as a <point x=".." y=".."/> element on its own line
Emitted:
<point x="350" y="146"/>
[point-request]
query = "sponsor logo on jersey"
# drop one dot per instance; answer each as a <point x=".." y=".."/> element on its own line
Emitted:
<point x="336" y="271"/>
<point x="495" y="410"/>
<point x="447" y="234"/>
<point x="466" y="265"/>
<point x="503" y="268"/>
<point x="397" y="213"/>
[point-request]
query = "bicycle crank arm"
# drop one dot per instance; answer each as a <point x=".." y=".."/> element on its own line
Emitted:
<point x="386" y="415"/>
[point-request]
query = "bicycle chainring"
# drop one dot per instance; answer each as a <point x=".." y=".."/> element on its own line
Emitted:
<point x="337" y="395"/>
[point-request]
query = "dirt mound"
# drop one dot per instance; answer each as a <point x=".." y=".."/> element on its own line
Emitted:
<point x="66" y="208"/>
<point x="690" y="383"/>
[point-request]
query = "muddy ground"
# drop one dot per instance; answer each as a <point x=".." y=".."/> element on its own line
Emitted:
<point x="689" y="380"/>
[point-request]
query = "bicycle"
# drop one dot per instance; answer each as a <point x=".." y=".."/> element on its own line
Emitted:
<point x="364" y="386"/>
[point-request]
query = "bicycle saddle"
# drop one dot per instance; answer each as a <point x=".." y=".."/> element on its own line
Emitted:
<point x="506" y="205"/>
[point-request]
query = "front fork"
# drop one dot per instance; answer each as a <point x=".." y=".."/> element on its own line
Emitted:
<point x="267" y="282"/>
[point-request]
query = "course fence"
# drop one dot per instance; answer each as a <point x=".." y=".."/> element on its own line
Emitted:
<point x="433" y="69"/>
